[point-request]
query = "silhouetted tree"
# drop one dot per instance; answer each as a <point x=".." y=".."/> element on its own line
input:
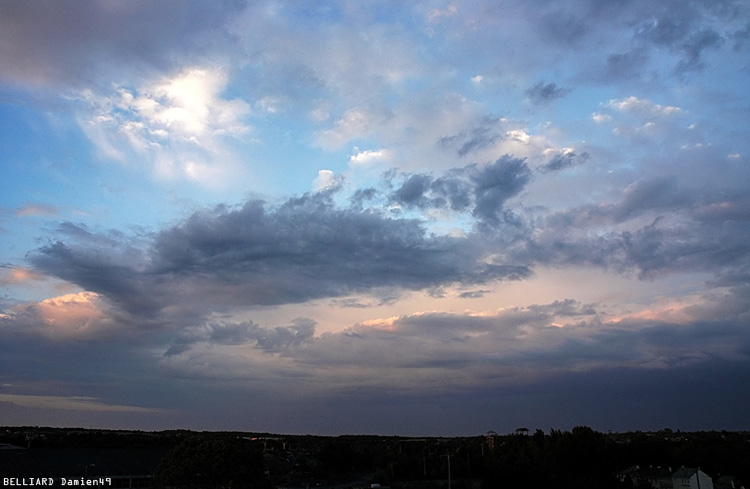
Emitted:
<point x="204" y="461"/>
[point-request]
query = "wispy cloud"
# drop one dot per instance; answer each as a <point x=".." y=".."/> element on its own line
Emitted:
<point x="71" y="403"/>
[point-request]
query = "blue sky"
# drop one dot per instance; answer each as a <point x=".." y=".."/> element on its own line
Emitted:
<point x="426" y="218"/>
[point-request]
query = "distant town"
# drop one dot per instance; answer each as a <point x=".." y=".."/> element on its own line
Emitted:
<point x="524" y="458"/>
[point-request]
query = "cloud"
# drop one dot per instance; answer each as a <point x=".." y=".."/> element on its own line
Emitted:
<point x="74" y="43"/>
<point x="642" y="108"/>
<point x="626" y="66"/>
<point x="486" y="132"/>
<point x="473" y="294"/>
<point x="503" y="346"/>
<point x="367" y="157"/>
<point x="413" y="189"/>
<point x="82" y="316"/>
<point x="309" y="247"/>
<point x="354" y="124"/>
<point x="542" y="93"/>
<point x="563" y="160"/>
<point x="71" y="403"/>
<point x="18" y="275"/>
<point x="187" y="106"/>
<point x="436" y="14"/>
<point x="303" y="249"/>
<point x="326" y="179"/>
<point x="495" y="184"/>
<point x="36" y="210"/>
<point x="487" y="187"/>
<point x="683" y="32"/>
<point x="269" y="340"/>
<point x="663" y="245"/>
<point x="177" y="123"/>
<point x="354" y="299"/>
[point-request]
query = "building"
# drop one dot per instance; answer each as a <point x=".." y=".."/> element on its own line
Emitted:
<point x="490" y="439"/>
<point x="728" y="482"/>
<point x="656" y="477"/>
<point x="688" y="478"/>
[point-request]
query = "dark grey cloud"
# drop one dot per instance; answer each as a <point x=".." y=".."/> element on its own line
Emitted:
<point x="564" y="27"/>
<point x="412" y="191"/>
<point x="543" y="93"/>
<point x="655" y="226"/>
<point x="270" y="340"/>
<point x="309" y="248"/>
<point x="626" y="66"/>
<point x="362" y="196"/>
<point x="483" y="189"/>
<point x="77" y="42"/>
<point x="564" y="160"/>
<point x="538" y="341"/>
<point x="694" y="47"/>
<point x="305" y="248"/>
<point x="683" y="30"/>
<point x="661" y="247"/>
<point x="473" y="294"/>
<point x="671" y="29"/>
<point x="495" y="184"/>
<point x="105" y="269"/>
<point x="657" y="194"/>
<point x="565" y="307"/>
<point x="740" y="37"/>
<point x="483" y="133"/>
<point x="687" y="31"/>
<point x="453" y="191"/>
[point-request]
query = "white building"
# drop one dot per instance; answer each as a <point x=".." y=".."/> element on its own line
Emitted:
<point x="687" y="478"/>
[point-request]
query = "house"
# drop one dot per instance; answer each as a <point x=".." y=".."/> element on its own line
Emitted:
<point x="728" y="482"/>
<point x="656" y="477"/>
<point x="688" y="478"/>
<point x="490" y="438"/>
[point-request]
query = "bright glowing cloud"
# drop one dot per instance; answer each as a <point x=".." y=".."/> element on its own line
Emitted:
<point x="367" y="157"/>
<point x="326" y="179"/>
<point x="179" y="124"/>
<point x="71" y="313"/>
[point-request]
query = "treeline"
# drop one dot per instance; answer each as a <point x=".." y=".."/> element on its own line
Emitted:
<point x="584" y="458"/>
<point x="580" y="458"/>
<point x="41" y="437"/>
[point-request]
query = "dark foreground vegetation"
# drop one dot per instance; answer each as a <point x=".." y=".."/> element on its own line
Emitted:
<point x="580" y="458"/>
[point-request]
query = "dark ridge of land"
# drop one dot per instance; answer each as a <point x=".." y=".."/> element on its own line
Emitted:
<point x="578" y="458"/>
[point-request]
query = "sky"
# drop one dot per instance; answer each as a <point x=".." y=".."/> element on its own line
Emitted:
<point x="413" y="218"/>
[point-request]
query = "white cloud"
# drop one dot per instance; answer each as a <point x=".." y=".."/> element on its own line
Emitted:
<point x="271" y="104"/>
<point x="326" y="179"/>
<point x="178" y="124"/>
<point x="355" y="123"/>
<point x="369" y="156"/>
<point x="600" y="118"/>
<point x="642" y="107"/>
<point x="188" y="107"/>
<point x="435" y="14"/>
